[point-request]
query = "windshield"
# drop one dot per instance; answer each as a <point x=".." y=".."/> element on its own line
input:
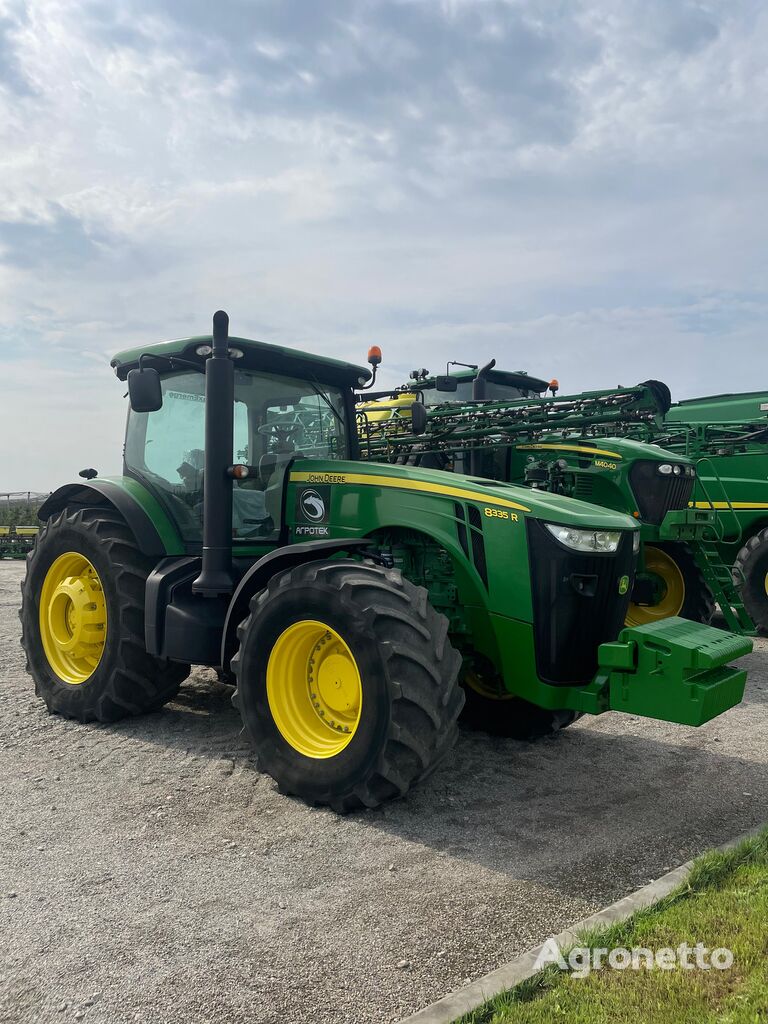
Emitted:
<point x="464" y="393"/>
<point x="276" y="419"/>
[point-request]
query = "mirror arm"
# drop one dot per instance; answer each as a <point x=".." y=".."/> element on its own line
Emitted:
<point x="371" y="382"/>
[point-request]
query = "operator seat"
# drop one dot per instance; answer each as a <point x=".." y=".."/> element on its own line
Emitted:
<point x="271" y="476"/>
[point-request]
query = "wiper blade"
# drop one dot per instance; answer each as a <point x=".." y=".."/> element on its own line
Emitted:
<point x="316" y="388"/>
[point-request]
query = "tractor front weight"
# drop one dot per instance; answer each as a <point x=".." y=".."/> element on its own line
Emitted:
<point x="673" y="670"/>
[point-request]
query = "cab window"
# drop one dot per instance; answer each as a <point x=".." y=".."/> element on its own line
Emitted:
<point x="276" y="419"/>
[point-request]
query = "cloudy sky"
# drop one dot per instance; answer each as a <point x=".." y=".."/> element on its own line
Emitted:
<point x="577" y="188"/>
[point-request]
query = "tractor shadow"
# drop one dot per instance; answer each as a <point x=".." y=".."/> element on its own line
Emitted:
<point x="592" y="812"/>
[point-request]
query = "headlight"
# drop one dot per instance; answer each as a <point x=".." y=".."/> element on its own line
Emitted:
<point x="636" y="541"/>
<point x="586" y="540"/>
<point x="669" y="469"/>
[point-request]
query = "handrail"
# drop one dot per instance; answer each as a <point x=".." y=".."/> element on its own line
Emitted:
<point x="722" y="537"/>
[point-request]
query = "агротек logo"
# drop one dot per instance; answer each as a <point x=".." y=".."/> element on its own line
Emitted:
<point x="312" y="505"/>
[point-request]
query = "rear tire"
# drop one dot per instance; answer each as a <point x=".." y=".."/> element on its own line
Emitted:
<point x="125" y="680"/>
<point x="751" y="574"/>
<point x="399" y="718"/>
<point x="687" y="593"/>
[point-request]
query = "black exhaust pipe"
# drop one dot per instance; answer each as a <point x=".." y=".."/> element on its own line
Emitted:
<point x="216" y="576"/>
<point x="478" y="387"/>
<point x="478" y="395"/>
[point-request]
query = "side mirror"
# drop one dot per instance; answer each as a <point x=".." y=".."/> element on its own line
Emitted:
<point x="144" y="391"/>
<point x="418" y="418"/>
<point x="446" y="384"/>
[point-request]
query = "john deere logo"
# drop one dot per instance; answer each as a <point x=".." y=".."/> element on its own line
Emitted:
<point x="312" y="505"/>
<point x="623" y="585"/>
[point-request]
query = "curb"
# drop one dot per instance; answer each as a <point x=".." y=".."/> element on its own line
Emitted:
<point x="471" y="996"/>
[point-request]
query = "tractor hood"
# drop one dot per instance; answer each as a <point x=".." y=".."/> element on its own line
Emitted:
<point x="524" y="500"/>
<point x="614" y="449"/>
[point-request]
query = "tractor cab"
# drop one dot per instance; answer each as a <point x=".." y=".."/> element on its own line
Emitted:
<point x="473" y="383"/>
<point x="285" y="406"/>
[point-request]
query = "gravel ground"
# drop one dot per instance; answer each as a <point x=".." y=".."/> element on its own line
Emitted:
<point x="149" y="874"/>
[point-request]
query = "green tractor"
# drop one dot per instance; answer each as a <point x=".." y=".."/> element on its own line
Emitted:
<point x="726" y="436"/>
<point x="345" y="599"/>
<point x="574" y="445"/>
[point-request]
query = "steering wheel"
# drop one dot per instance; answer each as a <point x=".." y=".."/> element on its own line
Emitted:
<point x="282" y="430"/>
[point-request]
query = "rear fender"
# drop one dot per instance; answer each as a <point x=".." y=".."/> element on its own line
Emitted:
<point x="153" y="530"/>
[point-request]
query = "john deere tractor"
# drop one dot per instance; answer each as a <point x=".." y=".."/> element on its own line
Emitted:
<point x="593" y="446"/>
<point x="344" y="598"/>
<point x="726" y="437"/>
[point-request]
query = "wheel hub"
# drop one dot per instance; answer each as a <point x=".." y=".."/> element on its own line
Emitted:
<point x="314" y="689"/>
<point x="77" y="615"/>
<point x="668" y="587"/>
<point x="73" y="618"/>
<point x="336" y="685"/>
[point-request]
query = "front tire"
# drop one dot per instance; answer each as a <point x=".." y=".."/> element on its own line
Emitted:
<point x="346" y="683"/>
<point x="82" y="618"/>
<point x="751" y="572"/>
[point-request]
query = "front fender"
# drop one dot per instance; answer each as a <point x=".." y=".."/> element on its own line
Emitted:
<point x="259" y="574"/>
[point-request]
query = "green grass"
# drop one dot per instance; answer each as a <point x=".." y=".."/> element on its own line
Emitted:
<point x="723" y="903"/>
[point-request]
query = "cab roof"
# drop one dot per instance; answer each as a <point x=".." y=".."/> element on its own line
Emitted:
<point x="257" y="355"/>
<point x="506" y="378"/>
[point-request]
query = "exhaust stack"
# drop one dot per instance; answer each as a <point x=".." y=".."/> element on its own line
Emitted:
<point x="216" y="576"/>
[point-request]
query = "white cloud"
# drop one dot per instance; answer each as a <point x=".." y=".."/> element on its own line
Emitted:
<point x="578" y="189"/>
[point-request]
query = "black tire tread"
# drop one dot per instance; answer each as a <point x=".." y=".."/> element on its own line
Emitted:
<point x="698" y="603"/>
<point x="514" y="719"/>
<point x="425" y="696"/>
<point x="140" y="683"/>
<point x="750" y="578"/>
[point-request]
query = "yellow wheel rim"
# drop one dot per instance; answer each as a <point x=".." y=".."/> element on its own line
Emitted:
<point x="73" y="618"/>
<point x="662" y="565"/>
<point x="314" y="689"/>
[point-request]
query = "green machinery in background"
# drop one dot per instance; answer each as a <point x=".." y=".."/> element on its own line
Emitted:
<point x="17" y="541"/>
<point x="347" y="600"/>
<point x="726" y="436"/>
<point x="575" y="445"/>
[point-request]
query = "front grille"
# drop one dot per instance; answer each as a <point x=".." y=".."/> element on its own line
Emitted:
<point x="461" y="528"/>
<point x="656" y="494"/>
<point x="584" y="488"/>
<point x="478" y="543"/>
<point x="576" y="603"/>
